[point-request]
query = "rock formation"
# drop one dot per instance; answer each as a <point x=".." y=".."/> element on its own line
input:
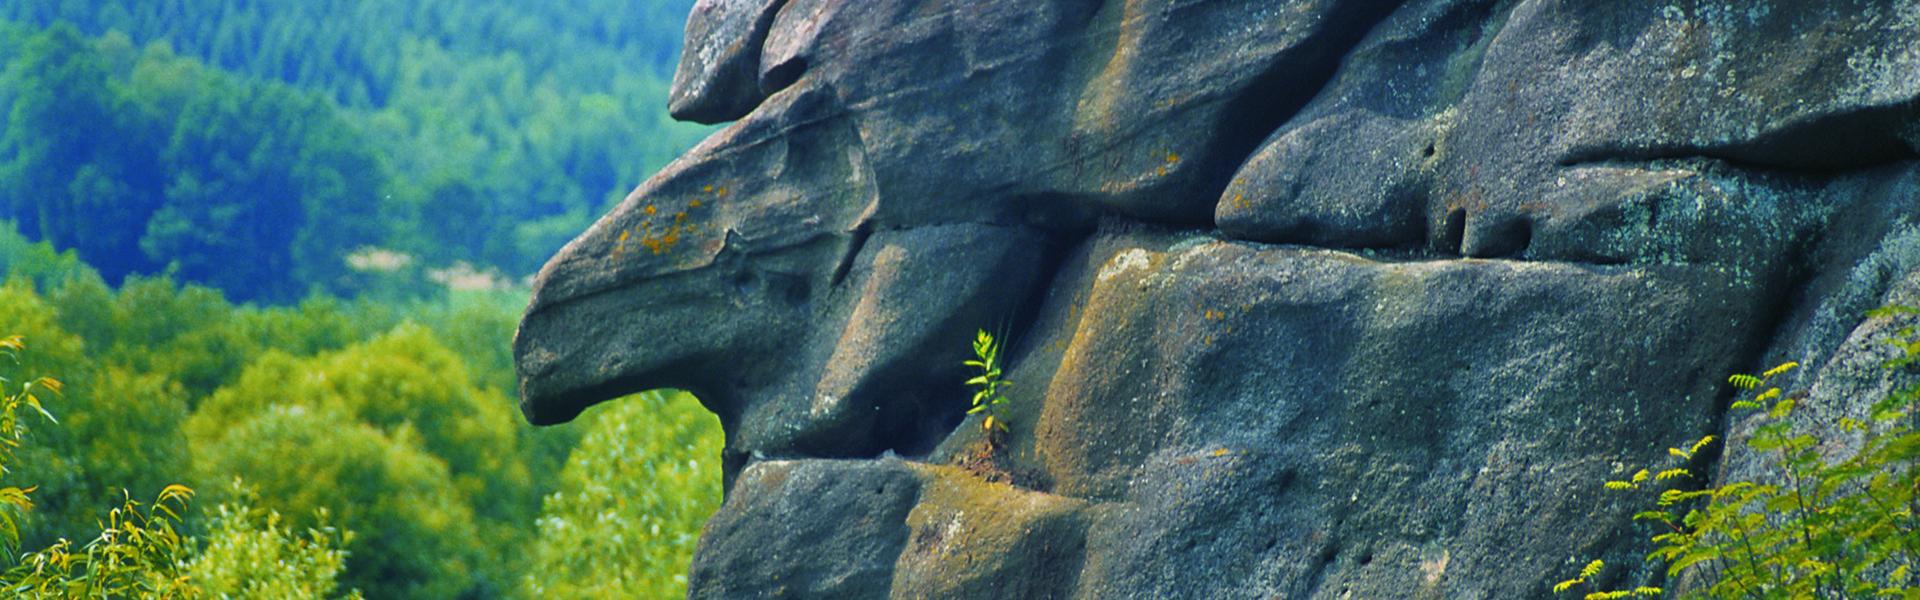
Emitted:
<point x="1309" y="298"/>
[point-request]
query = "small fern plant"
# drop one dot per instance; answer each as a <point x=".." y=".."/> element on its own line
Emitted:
<point x="988" y="383"/>
<point x="1815" y="527"/>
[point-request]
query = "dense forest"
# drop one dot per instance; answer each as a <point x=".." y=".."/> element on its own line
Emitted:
<point x="444" y="136"/>
<point x="269" y="256"/>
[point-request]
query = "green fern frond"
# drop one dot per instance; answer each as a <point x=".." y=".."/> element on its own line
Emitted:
<point x="1592" y="569"/>
<point x="1566" y="585"/>
<point x="1744" y="381"/>
<point x="1704" y="441"/>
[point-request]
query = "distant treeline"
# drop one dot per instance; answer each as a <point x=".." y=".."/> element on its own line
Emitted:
<point x="255" y="146"/>
<point x="395" y="418"/>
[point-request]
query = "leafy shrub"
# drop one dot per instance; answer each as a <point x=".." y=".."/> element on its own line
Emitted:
<point x="141" y="550"/>
<point x="138" y="554"/>
<point x="253" y="553"/>
<point x="631" y="502"/>
<point x="1824" y="524"/>
<point x="120" y="430"/>
<point x="415" y="533"/>
<point x="14" y="501"/>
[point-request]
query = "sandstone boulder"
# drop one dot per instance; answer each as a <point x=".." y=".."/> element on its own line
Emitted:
<point x="1307" y="298"/>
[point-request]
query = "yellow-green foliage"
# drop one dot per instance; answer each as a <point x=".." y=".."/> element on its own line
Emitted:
<point x="140" y="550"/>
<point x="18" y="401"/>
<point x="120" y="430"/>
<point x="138" y="554"/>
<point x="415" y="535"/>
<point x="987" y="385"/>
<point x="418" y="396"/>
<point x="1823" y="523"/>
<point x="254" y="553"/>
<point x="401" y="431"/>
<point x="406" y="385"/>
<point x="631" y="502"/>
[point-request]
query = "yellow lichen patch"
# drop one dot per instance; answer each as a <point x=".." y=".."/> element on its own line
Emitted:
<point x="620" y="245"/>
<point x="664" y="239"/>
<point x="1241" y="202"/>
<point x="1171" y="160"/>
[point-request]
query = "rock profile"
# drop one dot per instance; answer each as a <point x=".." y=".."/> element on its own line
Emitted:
<point x="1307" y="299"/>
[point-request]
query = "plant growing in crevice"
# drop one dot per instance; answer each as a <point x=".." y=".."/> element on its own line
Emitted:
<point x="988" y="383"/>
<point x="1816" y="525"/>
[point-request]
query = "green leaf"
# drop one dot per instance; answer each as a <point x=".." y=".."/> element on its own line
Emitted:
<point x="1592" y="569"/>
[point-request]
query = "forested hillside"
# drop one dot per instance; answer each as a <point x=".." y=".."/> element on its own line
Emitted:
<point x="149" y="134"/>
<point x="274" y="252"/>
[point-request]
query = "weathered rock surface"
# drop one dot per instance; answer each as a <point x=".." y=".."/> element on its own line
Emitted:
<point x="1309" y="299"/>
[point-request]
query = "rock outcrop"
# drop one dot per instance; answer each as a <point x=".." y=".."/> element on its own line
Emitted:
<point x="1309" y="298"/>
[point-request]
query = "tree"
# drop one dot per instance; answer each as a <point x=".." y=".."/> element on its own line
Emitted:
<point x="78" y="170"/>
<point x="631" y="502"/>
<point x="416" y="536"/>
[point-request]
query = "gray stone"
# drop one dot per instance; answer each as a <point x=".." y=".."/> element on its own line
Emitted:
<point x="1308" y="298"/>
<point x="772" y="543"/>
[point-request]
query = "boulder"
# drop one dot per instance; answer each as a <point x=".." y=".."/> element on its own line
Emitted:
<point x="1303" y="298"/>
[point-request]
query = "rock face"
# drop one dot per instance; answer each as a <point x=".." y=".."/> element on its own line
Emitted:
<point x="1309" y="299"/>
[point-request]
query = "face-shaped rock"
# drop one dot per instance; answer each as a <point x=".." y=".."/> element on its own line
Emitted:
<point x="1245" y="250"/>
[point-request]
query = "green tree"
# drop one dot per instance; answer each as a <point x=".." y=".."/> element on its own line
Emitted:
<point x="631" y="502"/>
<point x="121" y="429"/>
<point x="251" y="552"/>
<point x="268" y="174"/>
<point x="416" y="535"/>
<point x="78" y="171"/>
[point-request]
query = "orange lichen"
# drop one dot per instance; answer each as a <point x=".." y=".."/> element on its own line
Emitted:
<point x="661" y="240"/>
<point x="1240" y="201"/>
<point x="620" y="246"/>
